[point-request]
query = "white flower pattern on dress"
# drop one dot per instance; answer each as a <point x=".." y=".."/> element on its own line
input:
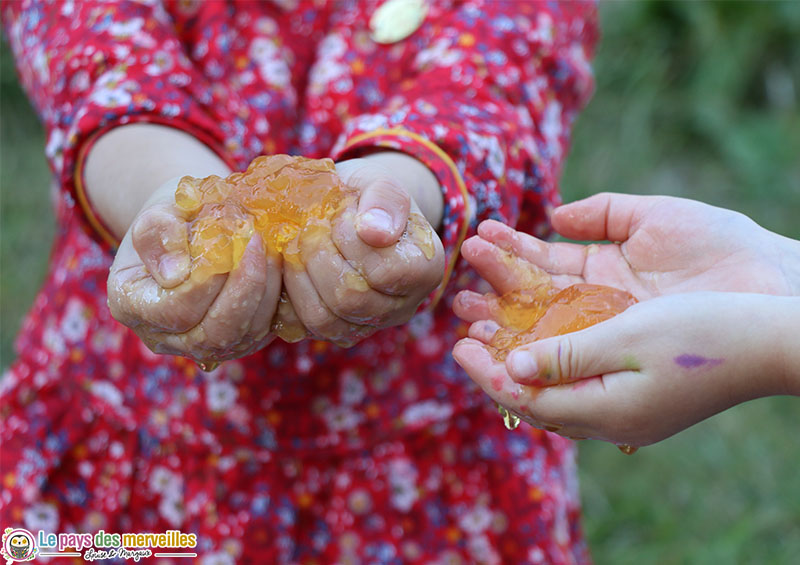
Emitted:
<point x="359" y="455"/>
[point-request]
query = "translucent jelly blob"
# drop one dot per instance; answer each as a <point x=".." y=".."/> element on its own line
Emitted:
<point x="279" y="197"/>
<point x="544" y="311"/>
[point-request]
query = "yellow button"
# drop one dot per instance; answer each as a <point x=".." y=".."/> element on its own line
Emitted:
<point x="395" y="20"/>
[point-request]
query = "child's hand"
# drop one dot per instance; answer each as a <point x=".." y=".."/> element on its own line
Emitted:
<point x="648" y="373"/>
<point x="664" y="363"/>
<point x="370" y="272"/>
<point x="149" y="289"/>
<point x="663" y="245"/>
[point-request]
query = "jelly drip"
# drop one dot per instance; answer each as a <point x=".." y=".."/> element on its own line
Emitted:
<point x="510" y="419"/>
<point x="208" y="366"/>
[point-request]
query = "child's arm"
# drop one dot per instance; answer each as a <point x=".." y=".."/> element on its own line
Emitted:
<point x="127" y="164"/>
<point x="667" y="362"/>
<point x="659" y="367"/>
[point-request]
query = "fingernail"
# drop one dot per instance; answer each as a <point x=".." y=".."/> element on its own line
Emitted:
<point x="173" y="266"/>
<point x="377" y="219"/>
<point x="522" y="366"/>
<point x="490" y="327"/>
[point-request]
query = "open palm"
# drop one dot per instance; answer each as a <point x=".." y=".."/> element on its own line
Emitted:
<point x="662" y="245"/>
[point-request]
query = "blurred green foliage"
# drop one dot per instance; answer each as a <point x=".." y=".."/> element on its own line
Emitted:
<point x="26" y="215"/>
<point x="694" y="99"/>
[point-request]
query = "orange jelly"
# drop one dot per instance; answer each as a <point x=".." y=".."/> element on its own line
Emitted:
<point x="281" y="197"/>
<point x="544" y="311"/>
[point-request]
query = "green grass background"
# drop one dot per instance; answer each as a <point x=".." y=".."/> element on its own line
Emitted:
<point x="695" y="99"/>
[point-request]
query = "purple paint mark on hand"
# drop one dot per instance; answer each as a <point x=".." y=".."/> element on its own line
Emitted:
<point x="688" y="361"/>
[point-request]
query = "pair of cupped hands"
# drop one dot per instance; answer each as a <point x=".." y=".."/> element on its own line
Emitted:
<point x="701" y="339"/>
<point x="366" y="274"/>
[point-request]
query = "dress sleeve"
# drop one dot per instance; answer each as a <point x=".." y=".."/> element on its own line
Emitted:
<point x="90" y="66"/>
<point x="486" y="96"/>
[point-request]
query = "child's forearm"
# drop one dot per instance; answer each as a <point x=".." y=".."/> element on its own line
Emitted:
<point x="128" y="163"/>
<point x="417" y="179"/>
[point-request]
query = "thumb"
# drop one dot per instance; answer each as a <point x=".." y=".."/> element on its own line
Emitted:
<point x="161" y="240"/>
<point x="594" y="351"/>
<point x="382" y="216"/>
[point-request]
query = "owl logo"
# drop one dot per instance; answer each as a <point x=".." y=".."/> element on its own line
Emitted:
<point x="18" y="545"/>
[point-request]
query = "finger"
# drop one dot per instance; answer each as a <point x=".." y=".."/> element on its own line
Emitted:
<point x="383" y="209"/>
<point x="492" y="377"/>
<point x="504" y="271"/>
<point x="229" y="318"/>
<point x="483" y="330"/>
<point x="195" y="345"/>
<point x="137" y="300"/>
<point x="398" y="270"/>
<point x="267" y="307"/>
<point x="555" y="258"/>
<point x="472" y="307"/>
<point x="606" y="215"/>
<point x="606" y="347"/>
<point x="488" y="373"/>
<point x="160" y="237"/>
<point x="345" y="292"/>
<point x="286" y="324"/>
<point x="612" y="407"/>
<point x="315" y="316"/>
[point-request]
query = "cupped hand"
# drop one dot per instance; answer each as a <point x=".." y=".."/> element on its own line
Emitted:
<point x="151" y="291"/>
<point x="380" y="260"/>
<point x="657" y="368"/>
<point x="659" y="245"/>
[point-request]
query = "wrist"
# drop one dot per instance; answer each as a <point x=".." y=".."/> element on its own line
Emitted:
<point x="769" y="361"/>
<point x="417" y="179"/>
<point x="786" y="326"/>
<point x="788" y="258"/>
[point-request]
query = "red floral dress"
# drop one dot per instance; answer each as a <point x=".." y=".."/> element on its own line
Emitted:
<point x="302" y="453"/>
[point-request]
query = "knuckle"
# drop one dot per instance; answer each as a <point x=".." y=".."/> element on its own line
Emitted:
<point x="116" y="302"/>
<point x="317" y="318"/>
<point x="399" y="316"/>
<point x="390" y="193"/>
<point x="353" y="306"/>
<point x="208" y="337"/>
<point x="388" y="277"/>
<point x="181" y="316"/>
<point x="566" y="359"/>
<point x="146" y="222"/>
<point x="217" y="341"/>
